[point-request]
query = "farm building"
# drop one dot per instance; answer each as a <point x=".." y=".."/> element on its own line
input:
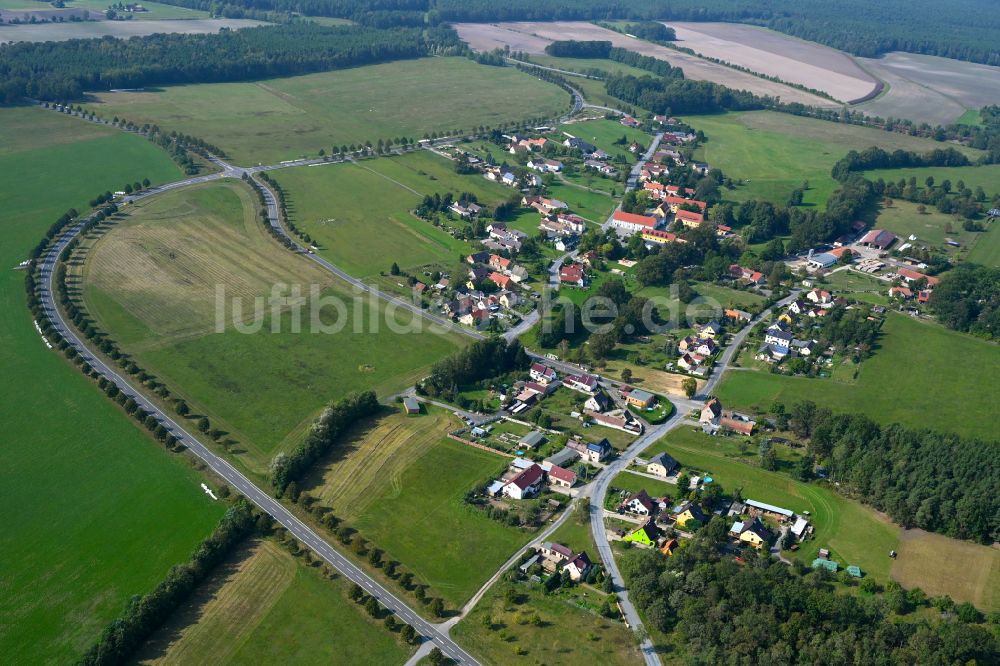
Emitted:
<point x="531" y="440"/>
<point x="641" y="399"/>
<point x="829" y="565"/>
<point x="411" y="405"/>
<point x="771" y="510"/>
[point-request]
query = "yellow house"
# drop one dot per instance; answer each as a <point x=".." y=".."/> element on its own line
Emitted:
<point x="689" y="511"/>
<point x="752" y="532"/>
<point x="785" y="317"/>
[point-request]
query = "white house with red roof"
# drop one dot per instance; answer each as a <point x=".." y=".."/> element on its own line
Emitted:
<point x="542" y="374"/>
<point x="573" y="274"/>
<point x="525" y="484"/>
<point x="632" y="223"/>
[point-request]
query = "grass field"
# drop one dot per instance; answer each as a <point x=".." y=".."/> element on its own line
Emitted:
<point x="854" y="533"/>
<point x="594" y="206"/>
<point x="633" y="483"/>
<point x="604" y="133"/>
<point x="263" y="605"/>
<point x="280" y="119"/>
<point x="921" y="375"/>
<point x="775" y="152"/>
<point x="402" y="486"/>
<point x="96" y="512"/>
<point x="927" y="560"/>
<point x="340" y="204"/>
<point x="859" y="286"/>
<point x="569" y="631"/>
<point x="986" y="176"/>
<point x="151" y="281"/>
<point x="930" y="227"/>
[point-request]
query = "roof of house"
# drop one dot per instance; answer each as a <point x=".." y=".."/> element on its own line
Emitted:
<point x="769" y="507"/>
<point x="411" y="403"/>
<point x="663" y="459"/>
<point x="742" y="427"/>
<point x="713" y="406"/>
<point x="528" y="477"/>
<point x="640" y="395"/>
<point x="558" y="548"/>
<point x="557" y="472"/>
<point x="694" y="508"/>
<point x="643" y="498"/>
<point x="601" y="446"/>
<point x="690" y="215"/>
<point x="878" y="237"/>
<point x="580" y="561"/>
<point x="571" y="273"/>
<point x="914" y="275"/>
<point x="632" y="218"/>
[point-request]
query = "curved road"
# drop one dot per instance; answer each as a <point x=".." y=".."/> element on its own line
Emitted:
<point x="604" y="478"/>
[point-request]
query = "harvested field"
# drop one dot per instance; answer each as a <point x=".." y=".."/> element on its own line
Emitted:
<point x="376" y="456"/>
<point x="531" y="37"/>
<point x="931" y="89"/>
<point x="928" y="560"/>
<point x="772" y="53"/>
<point x="60" y="32"/>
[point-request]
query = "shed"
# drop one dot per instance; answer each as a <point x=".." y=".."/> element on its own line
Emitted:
<point x="411" y="405"/>
<point x="527" y="564"/>
<point x="854" y="570"/>
<point x="532" y="439"/>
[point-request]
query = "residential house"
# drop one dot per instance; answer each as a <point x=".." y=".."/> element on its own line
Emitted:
<point x="640" y="399"/>
<point x="601" y="167"/>
<point x="593" y="451"/>
<point x="687" y="512"/>
<point x="618" y="419"/>
<point x="711" y="412"/>
<point x="656" y="190"/>
<point x="778" y="338"/>
<point x="477" y="258"/>
<point x="661" y="464"/>
<point x="598" y="402"/>
<point x="559" y="476"/>
<point x="545" y="165"/>
<point x="525" y="484"/>
<point x="509" y="299"/>
<point x="578" y="566"/>
<point x="573" y="275"/>
<point x="554" y="555"/>
<point x="639" y="504"/>
<point x="575" y="223"/>
<point x="478" y="318"/>
<point x="644" y="535"/>
<point x="749" y="275"/>
<point x="518" y="274"/>
<point x="632" y="223"/>
<point x="741" y="426"/>
<point x="913" y="276"/>
<point x="500" y="280"/>
<point x="542" y="374"/>
<point x="508" y="178"/>
<point x="820" y="296"/>
<point x="499" y="263"/>
<point x="690" y="362"/>
<point x="711" y="329"/>
<point x="737" y="315"/>
<point x="751" y="531"/>
<point x="658" y="236"/>
<point x="582" y="383"/>
<point x="900" y="292"/>
<point x="470" y="210"/>
<point x="579" y="144"/>
<point x="629" y="121"/>
<point x="669" y="546"/>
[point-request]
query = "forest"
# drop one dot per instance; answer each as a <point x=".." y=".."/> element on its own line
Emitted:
<point x="482" y="359"/>
<point x="936" y="481"/>
<point x="761" y="611"/>
<point x="59" y="71"/>
<point x="968" y="299"/>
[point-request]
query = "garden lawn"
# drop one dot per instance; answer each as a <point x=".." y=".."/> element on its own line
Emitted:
<point x="262" y="604"/>
<point x="286" y="118"/>
<point x="418" y="516"/>
<point x="95" y="510"/>
<point x="361" y="219"/>
<point x="595" y="206"/>
<point x="151" y="282"/>
<point x="921" y="375"/>
<point x="605" y="134"/>
<point x="776" y="152"/>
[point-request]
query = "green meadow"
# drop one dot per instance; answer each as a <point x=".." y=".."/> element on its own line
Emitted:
<point x="286" y="118"/>
<point x="96" y="512"/>
<point x="921" y="375"/>
<point x="774" y="153"/>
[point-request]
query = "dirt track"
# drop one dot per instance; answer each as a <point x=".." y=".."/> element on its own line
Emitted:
<point x="531" y="37"/>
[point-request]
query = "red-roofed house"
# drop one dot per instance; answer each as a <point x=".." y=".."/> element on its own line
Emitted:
<point x="878" y="238"/>
<point x="689" y="219"/>
<point x="900" y="292"/>
<point x="632" y="223"/>
<point x="525" y="484"/>
<point x="658" y="236"/>
<point x="572" y="275"/>
<point x="561" y="477"/>
<point x="499" y="263"/>
<point x="502" y="281"/>
<point x="913" y="276"/>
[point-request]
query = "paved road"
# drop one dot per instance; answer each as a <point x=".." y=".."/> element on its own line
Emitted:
<point x="233" y="477"/>
<point x="652" y="434"/>
<point x="633" y="176"/>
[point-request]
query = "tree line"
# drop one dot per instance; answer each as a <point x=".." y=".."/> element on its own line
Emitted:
<point x="145" y="614"/>
<point x="968" y="299"/>
<point x="324" y="434"/>
<point x="64" y="70"/>
<point x="480" y="360"/>
<point x="761" y="611"/>
<point x="936" y="481"/>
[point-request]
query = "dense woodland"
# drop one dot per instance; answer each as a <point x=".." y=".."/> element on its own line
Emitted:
<point x="968" y="299"/>
<point x="936" y="481"/>
<point x="764" y="612"/>
<point x="482" y="359"/>
<point x="64" y="70"/>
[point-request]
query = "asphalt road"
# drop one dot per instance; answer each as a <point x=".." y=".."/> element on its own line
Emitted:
<point x="652" y="434"/>
<point x="234" y="478"/>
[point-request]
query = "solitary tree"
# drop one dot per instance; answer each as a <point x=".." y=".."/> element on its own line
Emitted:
<point x="690" y="386"/>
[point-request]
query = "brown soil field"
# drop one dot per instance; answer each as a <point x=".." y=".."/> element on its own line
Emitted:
<point x="531" y="37"/>
<point x="938" y="565"/>
<point x="772" y="53"/>
<point x="58" y="32"/>
<point x="931" y="89"/>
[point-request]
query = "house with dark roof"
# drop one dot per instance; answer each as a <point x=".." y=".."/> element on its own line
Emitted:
<point x="661" y="464"/>
<point x="687" y="512"/>
<point x="644" y="535"/>
<point x="878" y="238"/>
<point x="639" y="504"/>
<point x="578" y="566"/>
